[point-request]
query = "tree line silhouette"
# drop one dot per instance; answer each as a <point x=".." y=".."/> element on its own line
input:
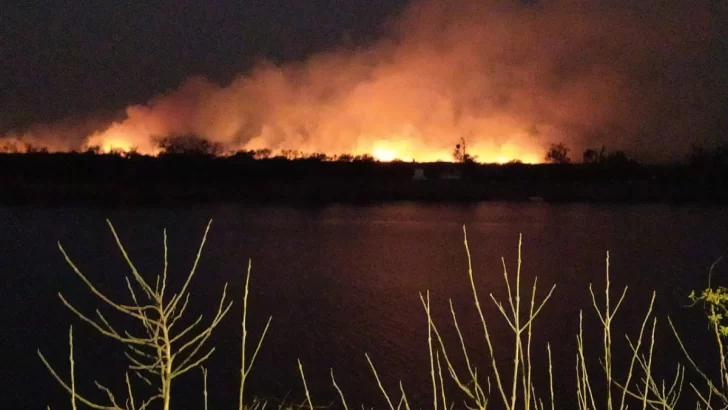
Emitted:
<point x="190" y="169"/>
<point x="190" y="145"/>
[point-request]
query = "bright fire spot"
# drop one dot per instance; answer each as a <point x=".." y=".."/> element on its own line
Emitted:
<point x="121" y="137"/>
<point x="116" y="145"/>
<point x="384" y="154"/>
<point x="397" y="147"/>
<point x="111" y="140"/>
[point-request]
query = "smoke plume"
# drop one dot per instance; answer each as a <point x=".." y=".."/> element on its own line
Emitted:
<point x="509" y="77"/>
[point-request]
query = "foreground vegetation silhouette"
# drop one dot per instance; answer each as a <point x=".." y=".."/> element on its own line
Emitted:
<point x="167" y="346"/>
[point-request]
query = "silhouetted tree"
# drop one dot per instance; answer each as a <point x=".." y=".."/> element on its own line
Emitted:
<point x="32" y="149"/>
<point x="10" y="147"/>
<point x="93" y="150"/>
<point x="263" y="153"/>
<point x="243" y="154"/>
<point x="345" y="158"/>
<point x="187" y="145"/>
<point x="558" y="154"/>
<point x="291" y="154"/>
<point x="591" y="156"/>
<point x="618" y="159"/>
<point x="714" y="158"/>
<point x="460" y="154"/>
<point x="364" y="158"/>
<point x="318" y="156"/>
<point x="132" y="152"/>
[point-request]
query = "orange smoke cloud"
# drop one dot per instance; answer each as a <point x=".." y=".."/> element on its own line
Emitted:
<point x="509" y="78"/>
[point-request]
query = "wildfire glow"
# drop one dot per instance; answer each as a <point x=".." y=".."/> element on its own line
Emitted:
<point x="121" y="137"/>
<point x="398" y="147"/>
<point x="469" y="69"/>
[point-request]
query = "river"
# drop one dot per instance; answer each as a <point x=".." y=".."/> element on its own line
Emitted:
<point x="341" y="281"/>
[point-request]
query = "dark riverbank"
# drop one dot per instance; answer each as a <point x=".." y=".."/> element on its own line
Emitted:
<point x="179" y="180"/>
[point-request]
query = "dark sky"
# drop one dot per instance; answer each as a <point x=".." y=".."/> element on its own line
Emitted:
<point x="74" y="57"/>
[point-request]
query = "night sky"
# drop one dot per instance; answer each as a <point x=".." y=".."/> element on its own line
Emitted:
<point x="84" y="56"/>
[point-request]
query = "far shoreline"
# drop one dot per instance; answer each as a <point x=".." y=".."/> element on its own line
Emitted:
<point x="112" y="180"/>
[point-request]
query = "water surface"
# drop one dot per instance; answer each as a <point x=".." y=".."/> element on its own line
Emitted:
<point x="340" y="281"/>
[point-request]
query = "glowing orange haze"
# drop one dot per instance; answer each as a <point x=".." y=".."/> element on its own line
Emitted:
<point x="388" y="118"/>
<point x="508" y="77"/>
<point x="406" y="146"/>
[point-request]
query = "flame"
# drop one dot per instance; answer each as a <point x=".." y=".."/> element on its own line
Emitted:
<point x="116" y="145"/>
<point x="121" y="137"/>
<point x="385" y="154"/>
<point x="398" y="147"/>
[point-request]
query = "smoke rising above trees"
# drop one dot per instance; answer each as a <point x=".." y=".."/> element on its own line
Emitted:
<point x="508" y="77"/>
